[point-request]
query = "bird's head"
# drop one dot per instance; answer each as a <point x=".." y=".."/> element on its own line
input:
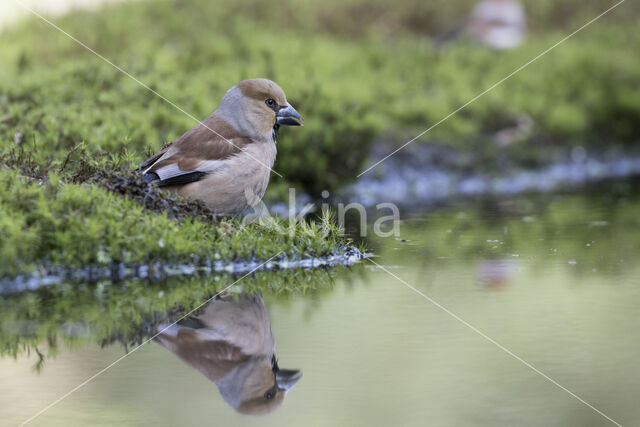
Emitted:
<point x="261" y="387"/>
<point x="257" y="106"/>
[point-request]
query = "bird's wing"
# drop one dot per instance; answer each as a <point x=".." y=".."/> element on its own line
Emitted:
<point x="213" y="358"/>
<point x="151" y="160"/>
<point x="198" y="152"/>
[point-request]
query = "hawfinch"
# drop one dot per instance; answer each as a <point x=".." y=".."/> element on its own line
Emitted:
<point x="226" y="160"/>
<point x="231" y="343"/>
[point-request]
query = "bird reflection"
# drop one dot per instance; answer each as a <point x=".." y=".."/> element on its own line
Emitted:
<point x="231" y="343"/>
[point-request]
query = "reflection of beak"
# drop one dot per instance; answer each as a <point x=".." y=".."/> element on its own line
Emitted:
<point x="287" y="378"/>
<point x="288" y="116"/>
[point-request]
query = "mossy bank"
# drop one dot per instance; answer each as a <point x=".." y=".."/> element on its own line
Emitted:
<point x="50" y="223"/>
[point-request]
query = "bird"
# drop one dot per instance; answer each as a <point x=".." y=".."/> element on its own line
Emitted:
<point x="225" y="161"/>
<point x="231" y="343"/>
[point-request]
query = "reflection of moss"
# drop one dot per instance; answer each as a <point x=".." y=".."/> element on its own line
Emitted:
<point x="75" y="225"/>
<point x="127" y="312"/>
<point x="354" y="69"/>
<point x="598" y="233"/>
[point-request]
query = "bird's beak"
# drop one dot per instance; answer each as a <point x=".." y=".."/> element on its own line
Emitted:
<point x="288" y="116"/>
<point x="287" y="378"/>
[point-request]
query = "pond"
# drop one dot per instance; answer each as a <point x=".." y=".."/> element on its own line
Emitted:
<point x="484" y="312"/>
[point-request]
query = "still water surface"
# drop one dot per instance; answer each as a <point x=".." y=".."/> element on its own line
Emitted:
<point x="554" y="280"/>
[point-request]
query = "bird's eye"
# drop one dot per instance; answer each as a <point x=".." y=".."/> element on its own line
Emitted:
<point x="269" y="395"/>
<point x="270" y="102"/>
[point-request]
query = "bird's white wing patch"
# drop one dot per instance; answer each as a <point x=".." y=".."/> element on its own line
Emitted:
<point x="210" y="335"/>
<point x="172" y="170"/>
<point x="169" y="171"/>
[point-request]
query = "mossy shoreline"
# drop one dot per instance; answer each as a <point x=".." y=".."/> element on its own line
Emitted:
<point x="55" y="225"/>
<point x="47" y="276"/>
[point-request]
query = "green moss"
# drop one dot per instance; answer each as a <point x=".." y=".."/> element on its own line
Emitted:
<point x="74" y="225"/>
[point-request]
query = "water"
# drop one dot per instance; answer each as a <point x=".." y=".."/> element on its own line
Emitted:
<point x="553" y="279"/>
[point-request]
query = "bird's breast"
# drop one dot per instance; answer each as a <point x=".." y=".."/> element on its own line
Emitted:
<point x="239" y="183"/>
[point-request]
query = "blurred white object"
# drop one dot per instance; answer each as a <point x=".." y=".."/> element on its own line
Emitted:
<point x="499" y="24"/>
<point x="11" y="10"/>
